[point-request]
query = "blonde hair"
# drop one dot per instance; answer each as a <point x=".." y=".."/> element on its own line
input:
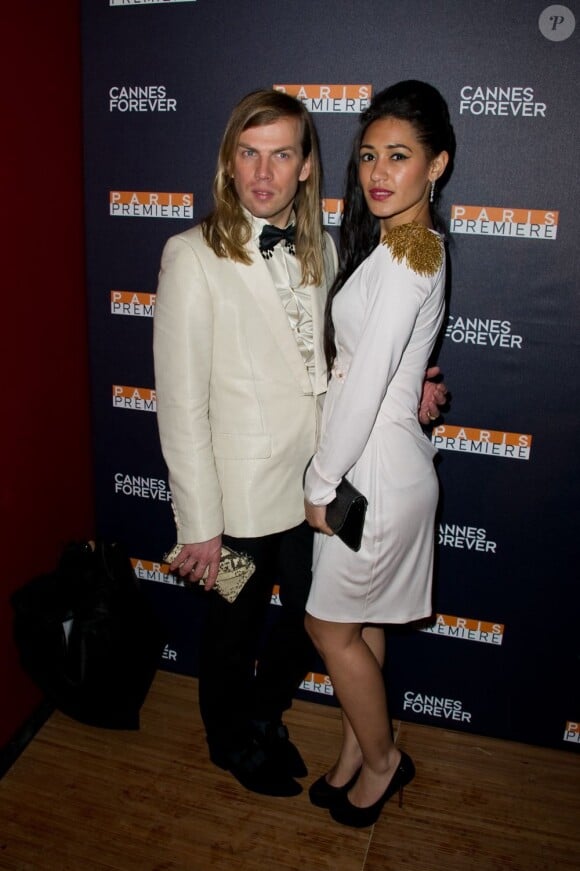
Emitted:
<point x="226" y="229"/>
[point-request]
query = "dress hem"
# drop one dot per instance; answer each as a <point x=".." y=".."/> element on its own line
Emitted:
<point x="396" y="621"/>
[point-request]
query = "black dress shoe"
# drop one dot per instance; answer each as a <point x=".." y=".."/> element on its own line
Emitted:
<point x="274" y="738"/>
<point x="252" y="767"/>
<point x="322" y="794"/>
<point x="350" y="815"/>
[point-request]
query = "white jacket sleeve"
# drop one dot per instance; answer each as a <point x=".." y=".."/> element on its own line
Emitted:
<point x="182" y="345"/>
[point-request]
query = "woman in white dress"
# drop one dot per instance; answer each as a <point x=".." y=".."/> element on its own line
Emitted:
<point x="384" y="314"/>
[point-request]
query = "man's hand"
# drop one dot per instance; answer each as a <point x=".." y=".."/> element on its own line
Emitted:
<point x="194" y="559"/>
<point x="434" y="395"/>
<point x="316" y="517"/>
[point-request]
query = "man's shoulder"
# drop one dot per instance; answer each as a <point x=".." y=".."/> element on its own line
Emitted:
<point x="192" y="236"/>
<point x="191" y="242"/>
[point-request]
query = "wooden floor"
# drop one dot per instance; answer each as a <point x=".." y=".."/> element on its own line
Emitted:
<point x="85" y="799"/>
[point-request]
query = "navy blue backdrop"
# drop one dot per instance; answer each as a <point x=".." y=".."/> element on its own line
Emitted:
<point x="160" y="79"/>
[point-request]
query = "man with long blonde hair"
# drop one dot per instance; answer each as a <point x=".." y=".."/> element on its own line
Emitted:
<point x="240" y="376"/>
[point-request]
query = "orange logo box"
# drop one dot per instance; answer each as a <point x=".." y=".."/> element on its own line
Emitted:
<point x="144" y="393"/>
<point x="150" y="198"/>
<point x="129" y="297"/>
<point x="127" y="302"/>
<point x="490" y="436"/>
<point x="135" y="398"/>
<point x="150" y="204"/>
<point x="469" y="624"/>
<point x="330" y="98"/>
<point x="327" y="92"/>
<point x="501" y="214"/>
<point x="332" y="205"/>
<point x="466" y="629"/>
<point x="314" y="677"/>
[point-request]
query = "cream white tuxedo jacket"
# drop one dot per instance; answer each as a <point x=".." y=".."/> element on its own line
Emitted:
<point x="238" y="415"/>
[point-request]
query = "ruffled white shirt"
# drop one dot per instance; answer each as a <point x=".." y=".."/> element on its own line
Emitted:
<point x="286" y="273"/>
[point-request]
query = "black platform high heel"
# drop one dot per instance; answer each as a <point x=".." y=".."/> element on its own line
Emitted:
<point x="323" y="794"/>
<point x="349" y="815"/>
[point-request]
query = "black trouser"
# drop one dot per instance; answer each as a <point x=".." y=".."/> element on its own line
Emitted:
<point x="232" y="691"/>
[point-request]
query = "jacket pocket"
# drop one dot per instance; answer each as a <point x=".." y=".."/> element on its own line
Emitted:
<point x="242" y="446"/>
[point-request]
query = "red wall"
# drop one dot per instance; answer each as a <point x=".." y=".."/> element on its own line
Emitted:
<point x="45" y="485"/>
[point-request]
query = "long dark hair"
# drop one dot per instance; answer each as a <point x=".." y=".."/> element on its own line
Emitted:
<point x="422" y="106"/>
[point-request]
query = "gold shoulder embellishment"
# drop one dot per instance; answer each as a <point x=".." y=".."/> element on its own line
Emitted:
<point x="417" y="246"/>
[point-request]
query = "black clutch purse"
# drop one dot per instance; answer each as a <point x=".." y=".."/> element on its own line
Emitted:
<point x="346" y="514"/>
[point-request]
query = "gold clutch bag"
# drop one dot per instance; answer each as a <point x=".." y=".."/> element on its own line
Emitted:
<point x="234" y="572"/>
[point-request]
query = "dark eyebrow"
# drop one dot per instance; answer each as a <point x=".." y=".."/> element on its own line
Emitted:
<point x="395" y="145"/>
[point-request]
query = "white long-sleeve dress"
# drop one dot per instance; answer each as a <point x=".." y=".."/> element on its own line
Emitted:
<point x="387" y="318"/>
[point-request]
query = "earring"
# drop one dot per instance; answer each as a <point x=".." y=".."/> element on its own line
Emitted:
<point x="432" y="194"/>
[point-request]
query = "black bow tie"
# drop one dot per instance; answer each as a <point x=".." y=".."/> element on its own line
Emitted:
<point x="270" y="236"/>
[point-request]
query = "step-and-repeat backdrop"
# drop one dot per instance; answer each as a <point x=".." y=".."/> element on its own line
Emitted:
<point x="160" y="79"/>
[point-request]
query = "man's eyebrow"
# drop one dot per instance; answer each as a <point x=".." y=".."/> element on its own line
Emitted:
<point x="242" y="144"/>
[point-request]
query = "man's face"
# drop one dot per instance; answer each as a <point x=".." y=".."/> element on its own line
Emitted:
<point x="267" y="167"/>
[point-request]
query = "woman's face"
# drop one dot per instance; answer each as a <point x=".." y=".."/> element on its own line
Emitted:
<point x="395" y="173"/>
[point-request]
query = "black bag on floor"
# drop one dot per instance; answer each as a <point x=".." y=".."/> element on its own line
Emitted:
<point x="88" y="637"/>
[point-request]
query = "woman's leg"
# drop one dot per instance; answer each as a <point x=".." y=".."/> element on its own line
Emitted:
<point x="358" y="682"/>
<point x="350" y="756"/>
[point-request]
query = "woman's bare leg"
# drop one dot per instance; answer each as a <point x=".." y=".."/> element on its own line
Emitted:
<point x="358" y="682"/>
<point x="350" y="755"/>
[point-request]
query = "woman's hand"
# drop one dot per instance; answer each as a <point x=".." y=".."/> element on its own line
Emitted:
<point x="316" y="517"/>
<point x="434" y="395"/>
